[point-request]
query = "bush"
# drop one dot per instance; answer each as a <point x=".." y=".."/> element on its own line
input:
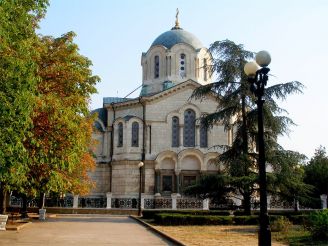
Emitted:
<point x="149" y="214"/>
<point x="239" y="213"/>
<point x="298" y="219"/>
<point x="317" y="224"/>
<point x="185" y="219"/>
<point x="281" y="224"/>
<point x="246" y="220"/>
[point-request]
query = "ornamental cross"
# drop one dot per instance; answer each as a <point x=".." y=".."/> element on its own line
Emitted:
<point x="177" y="19"/>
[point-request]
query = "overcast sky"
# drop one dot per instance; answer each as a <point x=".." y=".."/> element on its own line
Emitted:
<point x="113" y="34"/>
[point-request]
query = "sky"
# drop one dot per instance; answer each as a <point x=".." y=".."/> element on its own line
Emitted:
<point x="114" y="33"/>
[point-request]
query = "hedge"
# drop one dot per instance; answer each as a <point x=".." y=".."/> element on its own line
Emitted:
<point x="149" y="214"/>
<point x="246" y="220"/>
<point x="187" y="219"/>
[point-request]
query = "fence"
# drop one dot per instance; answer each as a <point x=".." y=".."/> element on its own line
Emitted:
<point x="150" y="202"/>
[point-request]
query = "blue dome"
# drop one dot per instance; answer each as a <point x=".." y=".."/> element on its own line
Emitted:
<point x="177" y="36"/>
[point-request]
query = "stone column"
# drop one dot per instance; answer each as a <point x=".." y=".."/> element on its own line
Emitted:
<point x="177" y="181"/>
<point x="323" y="198"/>
<point x="142" y="201"/>
<point x="76" y="201"/>
<point x="181" y="135"/>
<point x="157" y="182"/>
<point x="237" y="200"/>
<point x="269" y="201"/>
<point x="109" y="200"/>
<point x="197" y="136"/>
<point x="174" y="201"/>
<point x="206" y="204"/>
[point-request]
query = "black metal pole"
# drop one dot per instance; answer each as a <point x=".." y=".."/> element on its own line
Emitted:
<point x="265" y="232"/>
<point x="139" y="205"/>
<point x="258" y="84"/>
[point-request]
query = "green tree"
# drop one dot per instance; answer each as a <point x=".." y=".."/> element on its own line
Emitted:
<point x="316" y="173"/>
<point x="62" y="127"/>
<point x="287" y="178"/>
<point x="18" y="21"/>
<point x="238" y="112"/>
<point x="215" y="187"/>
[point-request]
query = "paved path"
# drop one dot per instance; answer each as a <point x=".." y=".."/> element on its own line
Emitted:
<point x="82" y="230"/>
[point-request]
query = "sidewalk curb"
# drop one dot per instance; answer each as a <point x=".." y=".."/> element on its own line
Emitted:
<point x="162" y="234"/>
<point x="18" y="227"/>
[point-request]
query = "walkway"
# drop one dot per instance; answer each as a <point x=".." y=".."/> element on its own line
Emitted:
<point x="83" y="230"/>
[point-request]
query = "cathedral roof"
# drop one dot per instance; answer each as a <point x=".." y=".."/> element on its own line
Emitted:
<point x="102" y="115"/>
<point x="175" y="36"/>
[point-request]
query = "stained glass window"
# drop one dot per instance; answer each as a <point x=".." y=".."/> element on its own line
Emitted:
<point x="135" y="134"/>
<point x="175" y="132"/>
<point x="189" y="128"/>
<point x="120" y="135"/>
<point x="156" y="67"/>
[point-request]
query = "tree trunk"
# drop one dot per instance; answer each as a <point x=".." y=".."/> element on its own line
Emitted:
<point x="3" y="199"/>
<point x="247" y="194"/>
<point x="24" y="207"/>
<point x="247" y="203"/>
<point x="42" y="200"/>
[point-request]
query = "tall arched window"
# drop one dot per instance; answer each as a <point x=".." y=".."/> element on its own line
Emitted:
<point x="189" y="128"/>
<point x="203" y="135"/>
<point x="135" y="134"/>
<point x="175" y="132"/>
<point x="182" y="66"/>
<point x="120" y="135"/>
<point x="156" y="67"/>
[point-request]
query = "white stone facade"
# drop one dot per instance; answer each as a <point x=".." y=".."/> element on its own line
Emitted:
<point x="141" y="129"/>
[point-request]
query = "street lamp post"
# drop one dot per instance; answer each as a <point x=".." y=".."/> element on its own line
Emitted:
<point x="257" y="73"/>
<point x="140" y="165"/>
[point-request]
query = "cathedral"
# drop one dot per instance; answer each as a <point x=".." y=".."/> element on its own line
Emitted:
<point x="156" y="141"/>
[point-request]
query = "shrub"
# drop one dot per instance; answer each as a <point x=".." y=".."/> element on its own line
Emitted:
<point x="281" y="224"/>
<point x="149" y="214"/>
<point x="317" y="224"/>
<point x="246" y="220"/>
<point x="187" y="219"/>
<point x="298" y="219"/>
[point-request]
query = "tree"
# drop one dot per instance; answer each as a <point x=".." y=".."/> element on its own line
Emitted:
<point x="59" y="157"/>
<point x="215" y="187"/>
<point x="238" y="112"/>
<point x="287" y="179"/>
<point x="18" y="21"/>
<point x="316" y="173"/>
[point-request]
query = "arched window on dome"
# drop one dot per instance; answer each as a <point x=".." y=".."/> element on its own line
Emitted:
<point x="203" y="135"/>
<point x="156" y="67"/>
<point x="120" y="135"/>
<point x="175" y="132"/>
<point x="189" y="128"/>
<point x="182" y="66"/>
<point x="135" y="134"/>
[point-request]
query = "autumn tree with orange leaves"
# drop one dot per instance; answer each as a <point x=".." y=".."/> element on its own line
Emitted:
<point x="59" y="144"/>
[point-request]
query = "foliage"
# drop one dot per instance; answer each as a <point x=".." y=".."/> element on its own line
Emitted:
<point x="316" y="172"/>
<point x="58" y="147"/>
<point x="237" y="110"/>
<point x="246" y="220"/>
<point x="214" y="187"/>
<point x="149" y="214"/>
<point x="18" y="21"/>
<point x="318" y="224"/>
<point x="281" y="224"/>
<point x="287" y="179"/>
<point x="183" y="219"/>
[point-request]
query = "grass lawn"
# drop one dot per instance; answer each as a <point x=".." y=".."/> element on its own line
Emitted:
<point x="214" y="235"/>
<point x="236" y="235"/>
<point x="297" y="236"/>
